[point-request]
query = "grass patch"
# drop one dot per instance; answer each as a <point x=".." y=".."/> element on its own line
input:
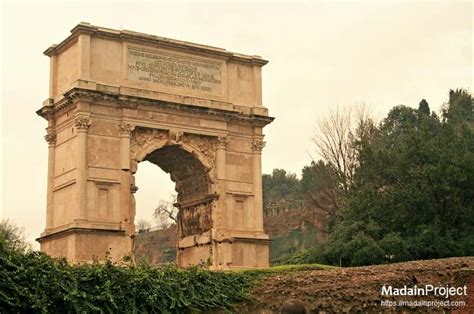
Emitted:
<point x="286" y="268"/>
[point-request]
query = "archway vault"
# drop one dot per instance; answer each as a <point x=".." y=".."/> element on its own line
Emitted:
<point x="190" y="160"/>
<point x="119" y="98"/>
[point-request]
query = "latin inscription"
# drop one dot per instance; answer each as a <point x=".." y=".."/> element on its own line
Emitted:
<point x="174" y="71"/>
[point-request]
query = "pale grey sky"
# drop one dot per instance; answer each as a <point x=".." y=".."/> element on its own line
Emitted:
<point x="322" y="54"/>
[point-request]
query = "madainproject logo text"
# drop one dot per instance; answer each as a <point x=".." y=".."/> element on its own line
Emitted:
<point x="440" y="291"/>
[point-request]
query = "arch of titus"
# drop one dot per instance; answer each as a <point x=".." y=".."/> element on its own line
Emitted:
<point x="118" y="98"/>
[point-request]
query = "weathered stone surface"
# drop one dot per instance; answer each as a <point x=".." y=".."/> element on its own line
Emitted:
<point x="156" y="247"/>
<point x="293" y="229"/>
<point x="174" y="71"/>
<point x="118" y="98"/>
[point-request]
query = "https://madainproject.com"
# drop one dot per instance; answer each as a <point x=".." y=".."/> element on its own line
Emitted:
<point x="440" y="291"/>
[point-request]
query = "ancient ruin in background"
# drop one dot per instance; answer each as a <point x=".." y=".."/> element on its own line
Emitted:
<point x="118" y="98"/>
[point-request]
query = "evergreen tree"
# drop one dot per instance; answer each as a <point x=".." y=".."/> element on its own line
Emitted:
<point x="280" y="189"/>
<point x="412" y="190"/>
<point x="460" y="107"/>
<point x="423" y="107"/>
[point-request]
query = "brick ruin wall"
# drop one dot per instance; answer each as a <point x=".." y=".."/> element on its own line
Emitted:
<point x="291" y="231"/>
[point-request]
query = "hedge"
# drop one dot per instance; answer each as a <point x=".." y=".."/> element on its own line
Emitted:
<point x="33" y="282"/>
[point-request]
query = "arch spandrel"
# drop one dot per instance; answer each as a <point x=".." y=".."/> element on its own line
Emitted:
<point x="145" y="141"/>
<point x="188" y="158"/>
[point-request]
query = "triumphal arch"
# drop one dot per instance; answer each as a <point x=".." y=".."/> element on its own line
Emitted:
<point x="118" y="98"/>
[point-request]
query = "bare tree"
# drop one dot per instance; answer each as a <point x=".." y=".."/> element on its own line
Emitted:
<point x="143" y="226"/>
<point x="166" y="213"/>
<point x="338" y="139"/>
<point x="13" y="236"/>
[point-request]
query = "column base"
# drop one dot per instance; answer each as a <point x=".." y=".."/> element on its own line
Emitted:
<point x="86" y="244"/>
<point x="224" y="249"/>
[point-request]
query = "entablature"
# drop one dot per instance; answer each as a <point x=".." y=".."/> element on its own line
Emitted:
<point x="220" y="111"/>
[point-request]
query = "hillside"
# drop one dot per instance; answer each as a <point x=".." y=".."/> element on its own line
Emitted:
<point x="359" y="288"/>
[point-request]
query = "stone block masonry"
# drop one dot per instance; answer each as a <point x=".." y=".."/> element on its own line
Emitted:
<point x="118" y="98"/>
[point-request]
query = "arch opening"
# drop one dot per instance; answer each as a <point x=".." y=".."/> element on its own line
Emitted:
<point x="193" y="186"/>
<point x="186" y="171"/>
<point x="154" y="188"/>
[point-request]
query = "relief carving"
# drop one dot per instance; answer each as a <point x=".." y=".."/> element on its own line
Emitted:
<point x="144" y="137"/>
<point x="126" y="128"/>
<point x="82" y="123"/>
<point x="195" y="219"/>
<point x="176" y="136"/>
<point x="258" y="145"/>
<point x="192" y="170"/>
<point x="205" y="144"/>
<point x="222" y="142"/>
<point x="179" y="117"/>
<point x="50" y="136"/>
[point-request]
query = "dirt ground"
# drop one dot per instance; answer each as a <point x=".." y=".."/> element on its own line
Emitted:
<point x="358" y="289"/>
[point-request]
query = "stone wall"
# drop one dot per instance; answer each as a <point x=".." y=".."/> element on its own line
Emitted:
<point x="156" y="247"/>
<point x="291" y="231"/>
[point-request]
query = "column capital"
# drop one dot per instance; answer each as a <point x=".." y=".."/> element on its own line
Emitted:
<point x="126" y="129"/>
<point x="82" y="123"/>
<point x="222" y="142"/>
<point x="50" y="136"/>
<point x="258" y="145"/>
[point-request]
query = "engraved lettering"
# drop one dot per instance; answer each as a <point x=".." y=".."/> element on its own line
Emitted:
<point x="174" y="71"/>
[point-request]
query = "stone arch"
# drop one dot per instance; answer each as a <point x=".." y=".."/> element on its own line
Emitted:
<point x="146" y="141"/>
<point x="190" y="161"/>
<point x="101" y="125"/>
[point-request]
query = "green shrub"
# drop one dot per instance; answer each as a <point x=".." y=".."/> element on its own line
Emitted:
<point x="309" y="256"/>
<point x="394" y="247"/>
<point x="36" y="283"/>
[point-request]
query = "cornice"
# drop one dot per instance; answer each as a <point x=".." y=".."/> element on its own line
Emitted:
<point x="76" y="93"/>
<point x="147" y="39"/>
<point x="50" y="108"/>
<point x="75" y="230"/>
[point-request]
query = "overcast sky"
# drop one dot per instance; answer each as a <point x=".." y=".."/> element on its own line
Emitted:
<point x="322" y="54"/>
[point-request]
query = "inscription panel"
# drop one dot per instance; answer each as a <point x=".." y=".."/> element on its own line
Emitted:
<point x="174" y="71"/>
